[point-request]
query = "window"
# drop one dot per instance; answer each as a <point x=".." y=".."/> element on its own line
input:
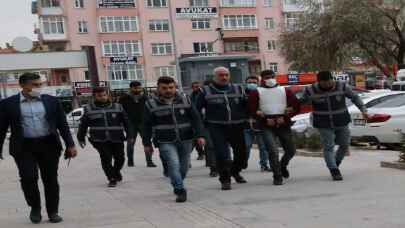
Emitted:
<point x="124" y="72"/>
<point x="50" y="3"/>
<point x="238" y="3"/>
<point x="269" y="23"/>
<point x="271" y="45"/>
<point x="162" y="49"/>
<point x="53" y="25"/>
<point x="79" y="3"/>
<point x="164" y="71"/>
<point x="273" y="67"/>
<point x="268" y="3"/>
<point x="239" y="22"/>
<point x="204" y="47"/>
<point x="86" y="75"/>
<point x="159" y="25"/>
<point x="241" y="46"/>
<point x="156" y="3"/>
<point x="197" y="3"/>
<point x="200" y="23"/>
<point x="291" y="21"/>
<point x="119" y="24"/>
<point x="83" y="27"/>
<point x="121" y="48"/>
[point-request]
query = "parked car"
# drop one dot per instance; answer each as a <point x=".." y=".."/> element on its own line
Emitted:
<point x="73" y="118"/>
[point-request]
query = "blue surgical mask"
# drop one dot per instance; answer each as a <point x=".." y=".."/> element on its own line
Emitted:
<point x="251" y="86"/>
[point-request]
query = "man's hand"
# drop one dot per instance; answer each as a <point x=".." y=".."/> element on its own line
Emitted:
<point x="260" y="114"/>
<point x="280" y="120"/>
<point x="82" y="144"/>
<point x="70" y="152"/>
<point x="200" y="141"/>
<point x="271" y="122"/>
<point x="148" y="149"/>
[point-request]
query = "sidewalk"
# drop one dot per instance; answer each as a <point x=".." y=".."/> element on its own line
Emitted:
<point x="370" y="196"/>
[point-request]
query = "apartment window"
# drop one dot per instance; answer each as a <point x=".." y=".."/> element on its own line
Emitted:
<point x="156" y="3"/>
<point x="241" y="46"/>
<point x="79" y="3"/>
<point x="291" y="21"/>
<point x="238" y="3"/>
<point x="204" y="47"/>
<point x="200" y="23"/>
<point x="268" y="3"/>
<point x="50" y="3"/>
<point x="83" y="27"/>
<point x="119" y="24"/>
<point x="164" y="71"/>
<point x="239" y="22"/>
<point x="271" y="45"/>
<point x="162" y="49"/>
<point x="273" y="67"/>
<point x="269" y="23"/>
<point x="53" y="25"/>
<point x="117" y="72"/>
<point x="87" y="75"/>
<point x="121" y="48"/>
<point x="159" y="25"/>
<point x="198" y="3"/>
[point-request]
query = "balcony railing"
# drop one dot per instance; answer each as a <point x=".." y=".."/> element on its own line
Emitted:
<point x="240" y="3"/>
<point x="292" y="6"/>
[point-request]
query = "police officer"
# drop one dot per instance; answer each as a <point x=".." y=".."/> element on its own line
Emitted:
<point x="172" y="122"/>
<point x="107" y="122"/>
<point x="225" y="115"/>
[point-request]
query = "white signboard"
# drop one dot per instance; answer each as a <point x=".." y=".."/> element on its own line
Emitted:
<point x="196" y="12"/>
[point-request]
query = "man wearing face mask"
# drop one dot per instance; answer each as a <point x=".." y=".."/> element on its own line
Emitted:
<point x="37" y="121"/>
<point x="254" y="131"/>
<point x="107" y="122"/>
<point x="331" y="117"/>
<point x="273" y="107"/>
<point x="225" y="116"/>
<point x="171" y="122"/>
<point x="133" y="103"/>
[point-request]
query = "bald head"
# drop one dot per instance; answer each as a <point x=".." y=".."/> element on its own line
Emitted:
<point x="221" y="75"/>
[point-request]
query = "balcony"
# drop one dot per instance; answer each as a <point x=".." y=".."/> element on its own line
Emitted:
<point x="51" y="11"/>
<point x="290" y="6"/>
<point x="241" y="46"/>
<point x="55" y="37"/>
<point x="238" y="3"/>
<point x="49" y="7"/>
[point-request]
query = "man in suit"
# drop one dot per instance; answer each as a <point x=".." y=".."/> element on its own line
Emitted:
<point x="37" y="121"/>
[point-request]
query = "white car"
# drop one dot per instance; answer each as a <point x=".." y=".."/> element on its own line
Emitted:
<point x="73" y="118"/>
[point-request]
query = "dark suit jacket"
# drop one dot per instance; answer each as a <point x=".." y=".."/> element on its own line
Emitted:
<point x="10" y="116"/>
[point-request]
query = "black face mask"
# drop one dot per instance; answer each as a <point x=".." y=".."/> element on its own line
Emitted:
<point x="101" y="103"/>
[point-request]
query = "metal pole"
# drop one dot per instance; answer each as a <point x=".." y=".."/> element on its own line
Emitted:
<point x="176" y="58"/>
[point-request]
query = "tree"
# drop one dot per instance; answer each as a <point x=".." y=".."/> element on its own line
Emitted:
<point x="329" y="36"/>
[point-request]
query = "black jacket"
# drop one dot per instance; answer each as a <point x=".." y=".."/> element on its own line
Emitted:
<point x="134" y="108"/>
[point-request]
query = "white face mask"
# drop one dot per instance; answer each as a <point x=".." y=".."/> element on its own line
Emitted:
<point x="35" y="92"/>
<point x="271" y="82"/>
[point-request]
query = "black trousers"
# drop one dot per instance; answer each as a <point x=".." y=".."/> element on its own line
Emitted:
<point x="43" y="153"/>
<point x="222" y="137"/>
<point x="112" y="157"/>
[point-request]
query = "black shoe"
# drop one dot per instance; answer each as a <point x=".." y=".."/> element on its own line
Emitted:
<point x="265" y="168"/>
<point x="150" y="164"/>
<point x="119" y="177"/>
<point x="181" y="196"/>
<point x="336" y="175"/>
<point x="278" y="180"/>
<point x="112" y="183"/>
<point x="200" y="157"/>
<point x="131" y="164"/>
<point x="213" y="173"/>
<point x="55" y="218"/>
<point x="338" y="163"/>
<point x="239" y="179"/>
<point x="35" y="215"/>
<point x="284" y="172"/>
<point x="225" y="186"/>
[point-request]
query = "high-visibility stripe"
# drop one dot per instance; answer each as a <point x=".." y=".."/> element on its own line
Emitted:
<point x="106" y="128"/>
<point x="171" y="126"/>
<point x="340" y="111"/>
<point x="226" y="122"/>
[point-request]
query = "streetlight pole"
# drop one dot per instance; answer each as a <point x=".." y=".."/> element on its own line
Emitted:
<point x="174" y="46"/>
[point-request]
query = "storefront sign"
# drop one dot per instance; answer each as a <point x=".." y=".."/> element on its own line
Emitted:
<point x="85" y="88"/>
<point x="123" y="60"/>
<point x="116" y="3"/>
<point x="293" y="78"/>
<point x="196" y="12"/>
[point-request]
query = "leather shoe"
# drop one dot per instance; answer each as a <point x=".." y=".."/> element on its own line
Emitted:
<point x="239" y="179"/>
<point x="35" y="215"/>
<point x="55" y="218"/>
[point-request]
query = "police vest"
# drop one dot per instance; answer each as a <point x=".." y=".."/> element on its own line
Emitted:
<point x="272" y="101"/>
<point x="106" y="124"/>
<point x="225" y="107"/>
<point x="329" y="108"/>
<point x="172" y="122"/>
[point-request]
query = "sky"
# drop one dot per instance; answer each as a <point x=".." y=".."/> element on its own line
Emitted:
<point x="16" y="20"/>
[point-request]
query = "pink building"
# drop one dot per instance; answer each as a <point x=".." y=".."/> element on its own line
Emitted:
<point x="141" y="30"/>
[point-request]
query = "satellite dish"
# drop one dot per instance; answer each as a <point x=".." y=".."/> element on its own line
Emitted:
<point x="22" y="44"/>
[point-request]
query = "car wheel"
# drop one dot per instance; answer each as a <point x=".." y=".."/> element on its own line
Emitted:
<point x="391" y="146"/>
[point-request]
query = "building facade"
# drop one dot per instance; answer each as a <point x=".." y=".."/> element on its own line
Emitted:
<point x="149" y="35"/>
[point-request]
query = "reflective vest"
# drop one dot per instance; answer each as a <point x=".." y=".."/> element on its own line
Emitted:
<point x="225" y="107"/>
<point x="329" y="108"/>
<point x="172" y="122"/>
<point x="272" y="101"/>
<point x="106" y="124"/>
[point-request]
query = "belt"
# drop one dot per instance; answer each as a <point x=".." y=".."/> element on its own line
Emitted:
<point x="40" y="139"/>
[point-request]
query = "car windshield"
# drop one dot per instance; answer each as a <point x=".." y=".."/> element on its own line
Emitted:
<point x="396" y="100"/>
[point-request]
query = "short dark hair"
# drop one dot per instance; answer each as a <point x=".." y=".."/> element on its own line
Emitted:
<point x="267" y="72"/>
<point x="324" y="76"/>
<point x="252" y="78"/>
<point x="24" y="78"/>
<point x="165" y="80"/>
<point x="195" y="83"/>
<point x="135" y="84"/>
<point x="99" y="90"/>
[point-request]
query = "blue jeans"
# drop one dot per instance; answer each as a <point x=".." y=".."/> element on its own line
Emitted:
<point x="177" y="157"/>
<point x="331" y="137"/>
<point x="250" y="135"/>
